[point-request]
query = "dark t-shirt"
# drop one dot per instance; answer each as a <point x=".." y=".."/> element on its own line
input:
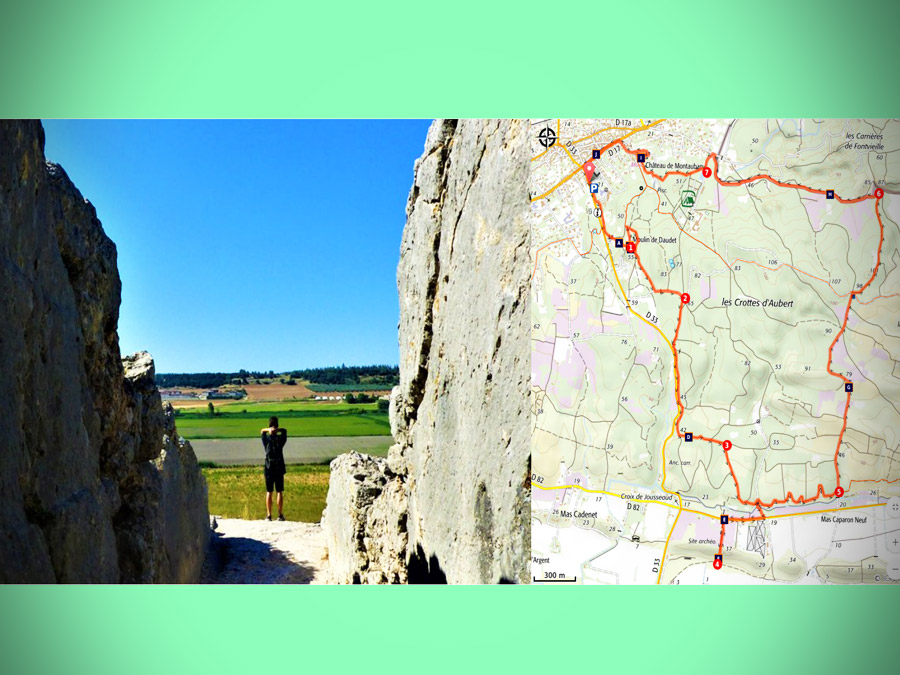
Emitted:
<point x="274" y="447"/>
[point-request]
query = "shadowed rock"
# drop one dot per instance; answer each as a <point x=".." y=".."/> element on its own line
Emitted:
<point x="95" y="485"/>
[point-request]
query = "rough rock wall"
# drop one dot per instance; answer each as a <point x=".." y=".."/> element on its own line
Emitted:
<point x="459" y="415"/>
<point x="94" y="485"/>
<point x="163" y="525"/>
<point x="365" y="521"/>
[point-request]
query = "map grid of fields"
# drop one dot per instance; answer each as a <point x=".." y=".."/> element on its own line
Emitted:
<point x="715" y="344"/>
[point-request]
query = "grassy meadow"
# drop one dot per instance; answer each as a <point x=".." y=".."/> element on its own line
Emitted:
<point x="244" y="419"/>
<point x="240" y="492"/>
<point x="227" y="407"/>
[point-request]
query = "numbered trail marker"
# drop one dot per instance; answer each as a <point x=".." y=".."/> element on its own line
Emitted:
<point x="707" y="172"/>
<point x="726" y="446"/>
<point x="839" y="491"/>
<point x="589" y="170"/>
<point x="724" y="520"/>
<point x="629" y="247"/>
<point x="879" y="193"/>
<point x="641" y="157"/>
<point x="829" y="194"/>
<point x="848" y="387"/>
<point x="688" y="437"/>
<point x="717" y="562"/>
<point x="619" y="243"/>
<point x="595" y="154"/>
<point x="685" y="298"/>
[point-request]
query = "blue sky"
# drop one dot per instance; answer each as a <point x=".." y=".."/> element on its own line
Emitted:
<point x="250" y="244"/>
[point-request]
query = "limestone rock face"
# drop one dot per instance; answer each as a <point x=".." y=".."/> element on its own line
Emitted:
<point x="94" y="484"/>
<point x="366" y="543"/>
<point x="459" y="415"/>
<point x="163" y="529"/>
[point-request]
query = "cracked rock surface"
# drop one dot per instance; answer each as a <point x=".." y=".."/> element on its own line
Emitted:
<point x="95" y="484"/>
<point x="452" y="497"/>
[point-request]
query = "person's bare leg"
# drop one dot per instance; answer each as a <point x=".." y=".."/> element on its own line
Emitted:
<point x="269" y="503"/>
<point x="280" y="499"/>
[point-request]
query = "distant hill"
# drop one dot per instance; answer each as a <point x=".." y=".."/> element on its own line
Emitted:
<point x="361" y="377"/>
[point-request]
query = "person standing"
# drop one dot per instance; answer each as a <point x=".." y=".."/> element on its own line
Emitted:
<point x="273" y="440"/>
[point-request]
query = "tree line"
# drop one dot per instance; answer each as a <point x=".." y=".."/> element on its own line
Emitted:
<point x="380" y="374"/>
<point x="334" y="375"/>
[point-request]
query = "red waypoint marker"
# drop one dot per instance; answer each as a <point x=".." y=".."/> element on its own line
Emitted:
<point x="839" y="491"/>
<point x="629" y="247"/>
<point x="707" y="172"/>
<point x="589" y="171"/>
<point x="726" y="445"/>
<point x="717" y="563"/>
<point x="685" y="298"/>
<point x="879" y="193"/>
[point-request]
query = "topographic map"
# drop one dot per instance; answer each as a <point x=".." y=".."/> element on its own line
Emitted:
<point x="715" y="351"/>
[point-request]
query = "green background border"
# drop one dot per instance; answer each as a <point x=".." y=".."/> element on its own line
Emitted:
<point x="472" y="59"/>
<point x="709" y="58"/>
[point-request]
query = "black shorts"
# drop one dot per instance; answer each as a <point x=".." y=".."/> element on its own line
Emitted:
<point x="274" y="479"/>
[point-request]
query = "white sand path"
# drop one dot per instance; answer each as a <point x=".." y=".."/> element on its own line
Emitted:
<point x="262" y="552"/>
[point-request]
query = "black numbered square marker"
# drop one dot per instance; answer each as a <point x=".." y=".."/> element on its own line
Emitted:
<point x="641" y="157"/>
<point x="689" y="437"/>
<point x="829" y="194"/>
<point x="619" y="243"/>
<point x="718" y="556"/>
<point x="848" y="387"/>
<point x="596" y="154"/>
<point x="724" y="520"/>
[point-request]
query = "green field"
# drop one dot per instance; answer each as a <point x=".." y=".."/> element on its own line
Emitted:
<point x="233" y="426"/>
<point x="244" y="420"/>
<point x="276" y="407"/>
<point x="240" y="492"/>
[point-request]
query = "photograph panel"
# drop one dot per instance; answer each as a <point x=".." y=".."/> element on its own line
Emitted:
<point x="337" y="317"/>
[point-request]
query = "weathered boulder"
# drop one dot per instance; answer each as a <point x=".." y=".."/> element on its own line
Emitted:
<point x="460" y="413"/>
<point x="163" y="529"/>
<point x="386" y="536"/>
<point x="365" y="544"/>
<point x="94" y="485"/>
